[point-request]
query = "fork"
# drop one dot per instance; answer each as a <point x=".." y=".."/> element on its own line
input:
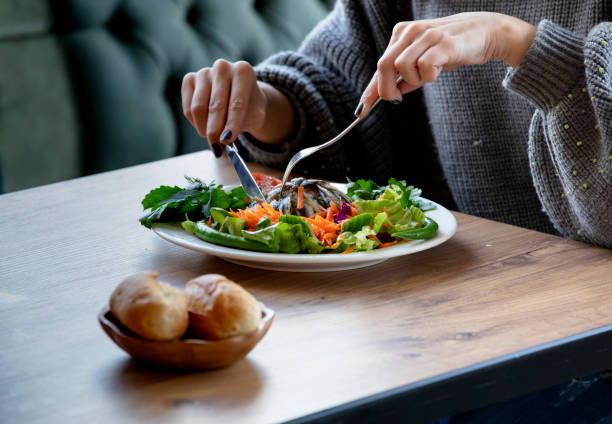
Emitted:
<point x="310" y="150"/>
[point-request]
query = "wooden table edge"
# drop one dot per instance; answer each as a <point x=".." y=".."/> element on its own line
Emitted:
<point x="479" y="384"/>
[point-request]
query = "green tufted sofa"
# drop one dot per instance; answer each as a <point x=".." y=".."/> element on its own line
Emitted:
<point x="93" y="85"/>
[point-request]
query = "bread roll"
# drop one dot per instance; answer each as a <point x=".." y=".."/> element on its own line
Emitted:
<point x="219" y="308"/>
<point x="150" y="308"/>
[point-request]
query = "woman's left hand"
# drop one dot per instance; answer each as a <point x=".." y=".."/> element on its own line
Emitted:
<point x="418" y="51"/>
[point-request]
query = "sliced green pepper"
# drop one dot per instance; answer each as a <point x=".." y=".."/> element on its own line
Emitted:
<point x="380" y="219"/>
<point x="428" y="231"/>
<point x="206" y="233"/>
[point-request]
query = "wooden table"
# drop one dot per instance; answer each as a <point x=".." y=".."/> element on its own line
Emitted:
<point x="494" y="312"/>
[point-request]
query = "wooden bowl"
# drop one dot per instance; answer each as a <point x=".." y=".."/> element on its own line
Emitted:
<point x="185" y="353"/>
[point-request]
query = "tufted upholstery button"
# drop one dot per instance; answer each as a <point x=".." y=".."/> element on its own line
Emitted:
<point x="193" y="15"/>
<point x="120" y="26"/>
<point x="71" y="15"/>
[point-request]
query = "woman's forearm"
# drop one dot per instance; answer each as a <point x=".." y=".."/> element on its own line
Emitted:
<point x="515" y="38"/>
<point x="279" y="118"/>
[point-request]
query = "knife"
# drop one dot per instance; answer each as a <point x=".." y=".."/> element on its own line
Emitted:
<point x="244" y="175"/>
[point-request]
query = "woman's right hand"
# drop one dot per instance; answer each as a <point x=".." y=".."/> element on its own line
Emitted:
<point x="225" y="100"/>
<point x="420" y="50"/>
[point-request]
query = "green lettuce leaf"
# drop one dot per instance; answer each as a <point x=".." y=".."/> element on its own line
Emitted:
<point x="356" y="223"/>
<point x="418" y="216"/>
<point x="295" y="233"/>
<point x="388" y="208"/>
<point x="233" y="226"/>
<point x="289" y="236"/>
<point x="380" y="219"/>
<point x="219" y="215"/>
<point x="369" y="190"/>
<point x="363" y="189"/>
<point x="168" y="204"/>
<point x="359" y="239"/>
<point x="265" y="235"/>
<point x="189" y="226"/>
<point x="389" y="202"/>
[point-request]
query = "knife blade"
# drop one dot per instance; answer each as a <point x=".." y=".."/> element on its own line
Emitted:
<point x="244" y="175"/>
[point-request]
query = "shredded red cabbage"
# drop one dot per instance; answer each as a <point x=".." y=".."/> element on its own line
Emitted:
<point x="344" y="213"/>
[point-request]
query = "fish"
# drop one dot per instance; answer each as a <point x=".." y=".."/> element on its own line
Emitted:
<point x="318" y="196"/>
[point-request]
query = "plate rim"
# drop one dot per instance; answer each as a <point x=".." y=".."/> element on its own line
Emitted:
<point x="199" y="245"/>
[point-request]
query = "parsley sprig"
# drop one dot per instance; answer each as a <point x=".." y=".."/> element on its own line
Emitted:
<point x="172" y="203"/>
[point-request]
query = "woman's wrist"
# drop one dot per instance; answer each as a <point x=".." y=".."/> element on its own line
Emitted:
<point x="279" y="117"/>
<point x="515" y="37"/>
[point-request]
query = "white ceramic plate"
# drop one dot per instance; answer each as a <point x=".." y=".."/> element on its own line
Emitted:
<point x="447" y="225"/>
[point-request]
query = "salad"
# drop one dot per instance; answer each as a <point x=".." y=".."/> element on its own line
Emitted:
<point x="308" y="216"/>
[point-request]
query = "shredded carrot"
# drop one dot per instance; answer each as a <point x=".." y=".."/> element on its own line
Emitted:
<point x="329" y="239"/>
<point x="324" y="224"/>
<point x="324" y="229"/>
<point x="300" y="199"/>
<point x="330" y="212"/>
<point x="209" y="220"/>
<point x="349" y="250"/>
<point x="387" y="212"/>
<point x="373" y="237"/>
<point x="329" y="236"/>
<point x="246" y="200"/>
<point x="254" y="214"/>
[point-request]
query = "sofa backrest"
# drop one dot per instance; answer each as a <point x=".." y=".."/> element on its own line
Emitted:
<point x="39" y="128"/>
<point x="94" y="85"/>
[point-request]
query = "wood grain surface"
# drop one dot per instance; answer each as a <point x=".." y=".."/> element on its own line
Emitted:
<point x="491" y="290"/>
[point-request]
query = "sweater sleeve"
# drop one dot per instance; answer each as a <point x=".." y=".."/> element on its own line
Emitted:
<point x="568" y="79"/>
<point x="324" y="81"/>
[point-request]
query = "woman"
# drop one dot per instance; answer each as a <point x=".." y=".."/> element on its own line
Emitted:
<point x="529" y="146"/>
<point x="513" y="122"/>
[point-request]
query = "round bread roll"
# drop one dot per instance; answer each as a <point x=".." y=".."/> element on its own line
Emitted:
<point x="150" y="308"/>
<point x="219" y="308"/>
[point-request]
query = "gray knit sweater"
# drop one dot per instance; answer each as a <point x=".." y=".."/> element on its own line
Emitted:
<point x="529" y="146"/>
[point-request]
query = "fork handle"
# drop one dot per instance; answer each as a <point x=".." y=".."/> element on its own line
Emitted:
<point x="296" y="158"/>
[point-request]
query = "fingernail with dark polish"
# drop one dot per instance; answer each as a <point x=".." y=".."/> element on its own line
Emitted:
<point x="359" y="109"/>
<point x="396" y="102"/>
<point x="227" y="134"/>
<point x="217" y="150"/>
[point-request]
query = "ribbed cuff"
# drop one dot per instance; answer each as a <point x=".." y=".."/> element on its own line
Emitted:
<point x="552" y="67"/>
